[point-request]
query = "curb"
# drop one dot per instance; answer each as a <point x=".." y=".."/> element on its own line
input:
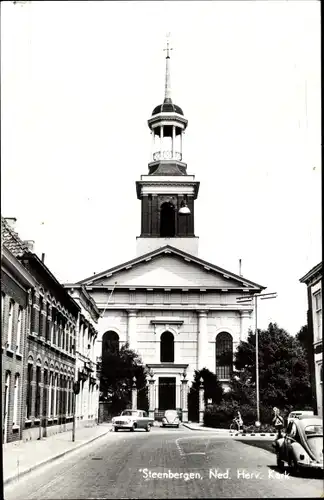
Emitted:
<point x="230" y="433"/>
<point x="12" y="478"/>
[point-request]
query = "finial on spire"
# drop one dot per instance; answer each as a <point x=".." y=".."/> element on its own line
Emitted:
<point x="167" y="94"/>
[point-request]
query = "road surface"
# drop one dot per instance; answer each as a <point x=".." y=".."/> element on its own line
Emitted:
<point x="165" y="463"/>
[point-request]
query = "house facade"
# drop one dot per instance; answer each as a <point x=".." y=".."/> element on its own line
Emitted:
<point x="16" y="286"/>
<point x="87" y="400"/>
<point x="48" y="340"/>
<point x="313" y="281"/>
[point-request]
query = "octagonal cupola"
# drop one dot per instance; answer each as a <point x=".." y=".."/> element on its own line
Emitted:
<point x="167" y="125"/>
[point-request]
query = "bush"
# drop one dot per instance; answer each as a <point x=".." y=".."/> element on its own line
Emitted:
<point x="221" y="416"/>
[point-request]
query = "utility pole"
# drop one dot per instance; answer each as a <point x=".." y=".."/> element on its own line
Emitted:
<point x="245" y="300"/>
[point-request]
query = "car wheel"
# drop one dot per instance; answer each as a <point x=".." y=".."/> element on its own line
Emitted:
<point x="280" y="463"/>
<point x="178" y="426"/>
<point x="148" y="428"/>
<point x="132" y="429"/>
<point x="116" y="429"/>
<point x="163" y="425"/>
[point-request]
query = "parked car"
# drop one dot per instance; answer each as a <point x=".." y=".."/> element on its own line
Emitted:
<point x="170" y="419"/>
<point x="302" y="446"/>
<point x="132" y="420"/>
<point x="298" y="413"/>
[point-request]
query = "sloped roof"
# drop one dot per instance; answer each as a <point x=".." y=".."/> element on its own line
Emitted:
<point x="168" y="249"/>
<point x="11" y="239"/>
<point x="315" y="271"/>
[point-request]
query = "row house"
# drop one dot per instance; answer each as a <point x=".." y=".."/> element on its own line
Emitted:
<point x="47" y="345"/>
<point x="87" y="400"/>
<point x="50" y="355"/>
<point x="313" y="281"/>
<point x="16" y="286"/>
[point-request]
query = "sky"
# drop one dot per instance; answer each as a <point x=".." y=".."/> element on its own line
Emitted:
<point x="79" y="82"/>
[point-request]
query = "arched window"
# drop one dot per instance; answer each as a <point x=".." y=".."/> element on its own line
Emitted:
<point x="224" y="355"/>
<point x="110" y="342"/>
<point x="167" y="221"/>
<point x="167" y="348"/>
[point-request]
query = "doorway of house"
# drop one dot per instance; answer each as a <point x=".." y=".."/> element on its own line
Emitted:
<point x="167" y="393"/>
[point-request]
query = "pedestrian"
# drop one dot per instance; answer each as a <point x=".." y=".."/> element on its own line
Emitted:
<point x="278" y="421"/>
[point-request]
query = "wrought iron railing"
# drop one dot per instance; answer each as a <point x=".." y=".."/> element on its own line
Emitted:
<point x="167" y="155"/>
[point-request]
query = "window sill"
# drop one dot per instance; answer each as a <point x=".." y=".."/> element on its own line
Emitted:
<point x="15" y="427"/>
<point x="18" y="355"/>
<point x="10" y="352"/>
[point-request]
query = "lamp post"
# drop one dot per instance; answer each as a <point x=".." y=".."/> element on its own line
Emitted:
<point x="244" y="300"/>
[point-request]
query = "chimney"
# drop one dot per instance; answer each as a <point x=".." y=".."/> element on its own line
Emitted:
<point x="11" y="221"/>
<point x="240" y="267"/>
<point x="30" y="245"/>
<point x="43" y="257"/>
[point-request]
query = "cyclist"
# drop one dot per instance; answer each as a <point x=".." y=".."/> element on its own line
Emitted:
<point x="238" y="421"/>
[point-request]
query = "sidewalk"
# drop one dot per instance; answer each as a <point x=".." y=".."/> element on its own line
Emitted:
<point x="21" y="457"/>
<point x="194" y="426"/>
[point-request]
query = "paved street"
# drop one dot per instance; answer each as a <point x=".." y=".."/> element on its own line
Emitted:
<point x="123" y="465"/>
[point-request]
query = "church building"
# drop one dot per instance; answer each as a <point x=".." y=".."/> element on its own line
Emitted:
<point x="179" y="312"/>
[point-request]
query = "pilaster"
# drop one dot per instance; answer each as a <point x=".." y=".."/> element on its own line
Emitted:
<point x="202" y="339"/>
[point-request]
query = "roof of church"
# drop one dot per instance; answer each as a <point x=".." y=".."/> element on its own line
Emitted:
<point x="168" y="249"/>
<point x="168" y="168"/>
<point x="315" y="271"/>
<point x="167" y="107"/>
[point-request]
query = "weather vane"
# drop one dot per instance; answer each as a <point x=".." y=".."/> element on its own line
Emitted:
<point x="168" y="44"/>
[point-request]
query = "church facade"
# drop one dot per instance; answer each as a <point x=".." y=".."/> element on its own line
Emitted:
<point x="179" y="312"/>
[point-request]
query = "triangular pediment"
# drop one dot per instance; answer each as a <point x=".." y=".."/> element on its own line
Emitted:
<point x="169" y="267"/>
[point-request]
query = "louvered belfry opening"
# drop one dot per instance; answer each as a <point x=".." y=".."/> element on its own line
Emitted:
<point x="167" y="220"/>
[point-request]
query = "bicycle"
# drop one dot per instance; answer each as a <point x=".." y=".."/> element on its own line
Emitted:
<point x="235" y="426"/>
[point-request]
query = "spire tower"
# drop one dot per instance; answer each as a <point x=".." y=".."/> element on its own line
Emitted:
<point x="167" y="93"/>
<point x="167" y="193"/>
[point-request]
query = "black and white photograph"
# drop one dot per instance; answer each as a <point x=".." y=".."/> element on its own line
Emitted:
<point x="161" y="250"/>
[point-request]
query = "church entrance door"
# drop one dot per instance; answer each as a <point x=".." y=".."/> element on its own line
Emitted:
<point x="167" y="393"/>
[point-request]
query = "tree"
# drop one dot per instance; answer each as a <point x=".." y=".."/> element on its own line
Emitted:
<point x="117" y="367"/>
<point x="283" y="371"/>
<point x="212" y="390"/>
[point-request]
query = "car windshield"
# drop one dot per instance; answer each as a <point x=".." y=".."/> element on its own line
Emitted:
<point x="130" y="413"/>
<point x="314" y="430"/>
<point x="171" y="413"/>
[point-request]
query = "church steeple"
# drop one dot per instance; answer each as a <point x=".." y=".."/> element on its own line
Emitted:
<point x="167" y="192"/>
<point x="167" y="93"/>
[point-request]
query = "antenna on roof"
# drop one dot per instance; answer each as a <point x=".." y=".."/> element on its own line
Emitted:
<point x="112" y="291"/>
<point x="240" y="267"/>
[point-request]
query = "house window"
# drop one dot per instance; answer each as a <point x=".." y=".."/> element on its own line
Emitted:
<point x="110" y="343"/>
<point x="29" y="390"/>
<point x="6" y="405"/>
<point x="19" y="329"/>
<point x="40" y="316"/>
<point x="3" y="297"/>
<point x="224" y="355"/>
<point x="167" y="348"/>
<point x="318" y="313"/>
<point x="10" y="323"/>
<point x="45" y="393"/>
<point x="38" y="392"/>
<point x="15" y="402"/>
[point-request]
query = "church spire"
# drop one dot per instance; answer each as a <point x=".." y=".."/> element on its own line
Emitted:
<point x="167" y="92"/>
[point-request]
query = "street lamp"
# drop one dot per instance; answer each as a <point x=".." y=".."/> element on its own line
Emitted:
<point x="244" y="300"/>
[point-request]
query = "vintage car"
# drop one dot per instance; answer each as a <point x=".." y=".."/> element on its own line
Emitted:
<point x="297" y="414"/>
<point x="170" y="419"/>
<point x="302" y="446"/>
<point x="132" y="420"/>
